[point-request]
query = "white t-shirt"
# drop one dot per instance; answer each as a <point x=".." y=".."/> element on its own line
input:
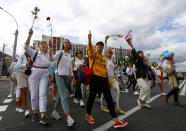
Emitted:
<point x="110" y="68"/>
<point x="77" y="63"/>
<point x="158" y="72"/>
<point x="154" y="69"/>
<point x="65" y="63"/>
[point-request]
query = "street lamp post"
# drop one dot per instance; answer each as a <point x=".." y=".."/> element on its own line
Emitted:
<point x="16" y="34"/>
<point x="2" y="57"/>
<point x="148" y="55"/>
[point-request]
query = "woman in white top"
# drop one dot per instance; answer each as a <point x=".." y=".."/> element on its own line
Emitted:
<point x="157" y="80"/>
<point x="23" y="62"/>
<point x="131" y="77"/>
<point x="13" y="80"/>
<point x="38" y="80"/>
<point x="63" y="72"/>
<point x="78" y="92"/>
<point x="112" y="78"/>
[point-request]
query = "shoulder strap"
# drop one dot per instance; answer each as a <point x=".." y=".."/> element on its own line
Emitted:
<point x="34" y="58"/>
<point x="85" y="61"/>
<point x="61" y="54"/>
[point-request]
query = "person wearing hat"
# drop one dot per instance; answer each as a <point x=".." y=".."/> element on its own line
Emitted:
<point x="100" y="82"/>
<point x="170" y="70"/>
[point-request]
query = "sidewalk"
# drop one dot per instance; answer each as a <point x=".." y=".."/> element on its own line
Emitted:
<point x="4" y="78"/>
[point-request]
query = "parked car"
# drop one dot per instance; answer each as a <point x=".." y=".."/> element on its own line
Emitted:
<point x="180" y="76"/>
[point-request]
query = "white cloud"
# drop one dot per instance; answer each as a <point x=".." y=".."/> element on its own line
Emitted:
<point x="103" y="17"/>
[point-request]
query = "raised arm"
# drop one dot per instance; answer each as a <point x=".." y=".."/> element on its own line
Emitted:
<point x="105" y="47"/>
<point x="29" y="37"/>
<point x="89" y="39"/>
<point x="159" y="65"/>
<point x="90" y="47"/>
<point x="27" y="47"/>
<point x="129" y="41"/>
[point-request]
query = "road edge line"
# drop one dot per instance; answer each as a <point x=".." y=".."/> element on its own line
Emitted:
<point x="121" y="117"/>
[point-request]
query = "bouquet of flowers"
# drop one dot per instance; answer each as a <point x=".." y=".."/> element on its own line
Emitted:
<point x="128" y="37"/>
<point x="34" y="13"/>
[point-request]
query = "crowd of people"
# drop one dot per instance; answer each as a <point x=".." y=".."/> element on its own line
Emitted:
<point x="39" y="71"/>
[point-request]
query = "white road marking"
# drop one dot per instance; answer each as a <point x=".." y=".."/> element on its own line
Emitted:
<point x="3" y="108"/>
<point x="123" y="91"/>
<point x="182" y="87"/>
<point x="109" y="124"/>
<point x="1" y="118"/>
<point x="7" y="101"/>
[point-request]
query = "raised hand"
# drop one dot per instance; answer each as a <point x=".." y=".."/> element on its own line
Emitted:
<point x="89" y="35"/>
<point x="30" y="32"/>
<point x="129" y="41"/>
<point x="106" y="39"/>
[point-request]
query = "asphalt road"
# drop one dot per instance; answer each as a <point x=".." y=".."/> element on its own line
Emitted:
<point x="161" y="117"/>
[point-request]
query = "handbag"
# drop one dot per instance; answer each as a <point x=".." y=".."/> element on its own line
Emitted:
<point x="28" y="71"/>
<point x="85" y="73"/>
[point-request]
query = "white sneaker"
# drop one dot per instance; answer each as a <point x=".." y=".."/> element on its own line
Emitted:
<point x="19" y="110"/>
<point x="9" y="95"/>
<point x="27" y="113"/>
<point x="76" y="101"/>
<point x="71" y="95"/>
<point x="147" y="105"/>
<point x="136" y="93"/>
<point x="126" y="91"/>
<point x="82" y="104"/>
<point x="163" y="94"/>
<point x="70" y="121"/>
<point x="56" y="115"/>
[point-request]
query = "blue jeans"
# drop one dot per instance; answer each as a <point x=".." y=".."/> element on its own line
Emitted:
<point x="69" y="85"/>
<point x="62" y="84"/>
<point x="57" y="102"/>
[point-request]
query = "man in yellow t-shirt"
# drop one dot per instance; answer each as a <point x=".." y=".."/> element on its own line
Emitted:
<point x="100" y="83"/>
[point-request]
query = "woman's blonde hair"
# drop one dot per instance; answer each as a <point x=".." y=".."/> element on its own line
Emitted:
<point x="45" y="43"/>
<point x="109" y="50"/>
